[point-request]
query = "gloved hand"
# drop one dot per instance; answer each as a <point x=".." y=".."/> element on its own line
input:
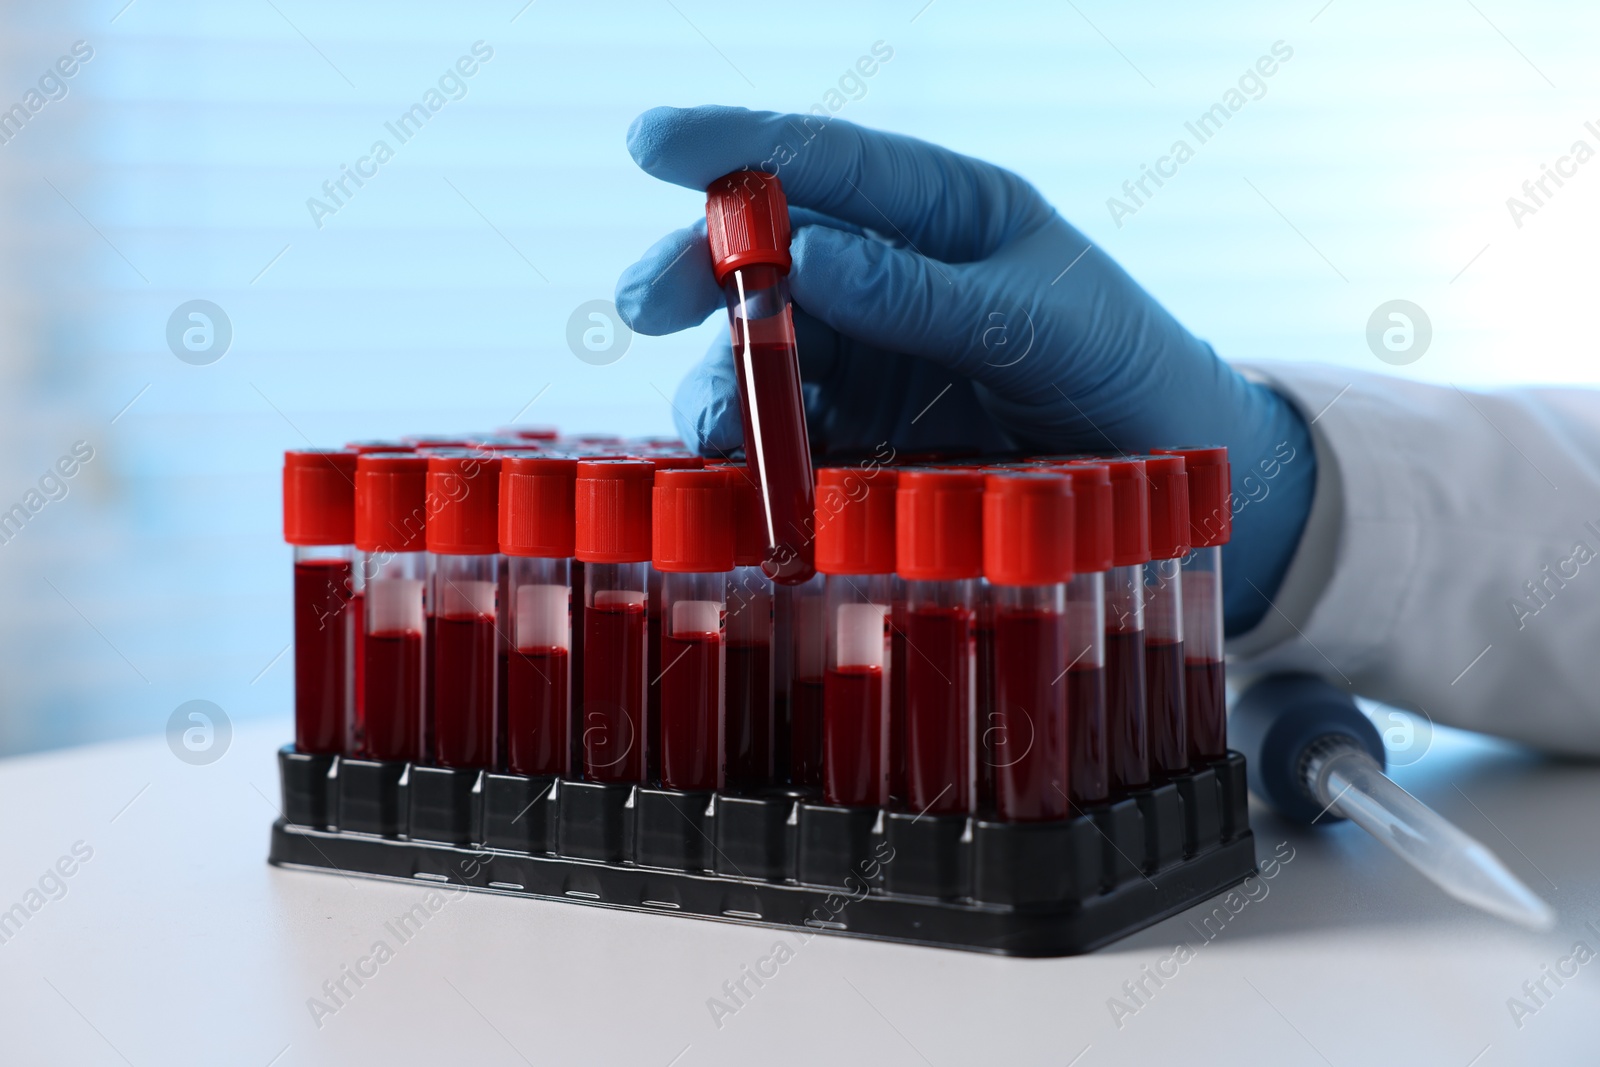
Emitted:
<point x="939" y="301"/>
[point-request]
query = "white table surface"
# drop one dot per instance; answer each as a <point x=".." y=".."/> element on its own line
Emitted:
<point x="176" y="943"/>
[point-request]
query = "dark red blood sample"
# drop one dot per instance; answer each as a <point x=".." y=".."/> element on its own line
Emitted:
<point x="1086" y="735"/>
<point x="1164" y="714"/>
<point x="652" y="709"/>
<point x="990" y="731"/>
<point x="1128" y="749"/>
<point x="1207" y="710"/>
<point x="538" y="717"/>
<point x="575" y="745"/>
<point x="749" y="715"/>
<point x="691" y="711"/>
<point x="321" y="654"/>
<point x="614" y="692"/>
<point x="855" y="737"/>
<point x="897" y="704"/>
<point x="394" y="695"/>
<point x="430" y="642"/>
<point x="805" y="732"/>
<point x="356" y="736"/>
<point x="465" y="659"/>
<point x="1027" y="738"/>
<point x="939" y="710"/>
<point x="783" y="460"/>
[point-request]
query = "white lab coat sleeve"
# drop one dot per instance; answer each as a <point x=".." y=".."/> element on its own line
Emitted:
<point x="1451" y="560"/>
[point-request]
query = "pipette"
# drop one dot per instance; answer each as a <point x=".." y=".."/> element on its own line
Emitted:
<point x="1316" y="758"/>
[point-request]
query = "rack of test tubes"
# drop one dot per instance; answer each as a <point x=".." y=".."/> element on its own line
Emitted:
<point x="966" y="702"/>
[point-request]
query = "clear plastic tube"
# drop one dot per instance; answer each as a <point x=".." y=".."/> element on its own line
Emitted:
<point x="691" y="682"/>
<point x="1205" y="694"/>
<point x="539" y="676"/>
<point x="1026" y="735"/>
<point x="856" y="690"/>
<point x="1127" y="744"/>
<point x="941" y="696"/>
<point x="750" y="703"/>
<point x="807" y="659"/>
<point x="767" y="365"/>
<point x="1088" y="776"/>
<point x="393" y="648"/>
<point x="324" y="631"/>
<point x="1164" y="669"/>
<point x="614" y="683"/>
<point x="466" y="660"/>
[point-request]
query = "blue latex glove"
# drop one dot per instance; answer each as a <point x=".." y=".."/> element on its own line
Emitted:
<point x="939" y="301"/>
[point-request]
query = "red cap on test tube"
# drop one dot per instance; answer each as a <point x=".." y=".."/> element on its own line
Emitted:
<point x="693" y="521"/>
<point x="319" y="497"/>
<point x="855" y="521"/>
<point x="391" y="502"/>
<point x="1130" y="510"/>
<point x="1091" y="516"/>
<point x="749" y="520"/>
<point x="538" y="505"/>
<point x="939" y="524"/>
<point x="1210" y="493"/>
<point x="747" y="223"/>
<point x="361" y="448"/>
<point x="1168" y="486"/>
<point x="1027" y="528"/>
<point x="464" y="501"/>
<point x="613" y="498"/>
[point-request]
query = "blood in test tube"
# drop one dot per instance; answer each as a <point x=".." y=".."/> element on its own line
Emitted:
<point x="612" y="499"/>
<point x="653" y="645"/>
<point x="749" y="725"/>
<point x="391" y="520"/>
<point x="693" y="551"/>
<point x="537" y="533"/>
<point x="897" y="688"/>
<point x="1210" y="527"/>
<point x="1028" y="558"/>
<point x="1087" y="727"/>
<point x="1127" y="735"/>
<point x="463" y="538"/>
<point x="939" y="552"/>
<point x="855" y="551"/>
<point x="747" y="226"/>
<point x="1163" y="616"/>
<point x="319" y="521"/>
<point x="808" y="646"/>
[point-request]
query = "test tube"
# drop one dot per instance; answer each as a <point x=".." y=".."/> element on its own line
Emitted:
<point x="855" y="552"/>
<point x="391" y="523"/>
<point x="653" y="616"/>
<point x="939" y="552"/>
<point x="1127" y="737"/>
<point x="537" y="530"/>
<point x="806" y="609"/>
<point x="319" y="521"/>
<point x="749" y="719"/>
<point x="463" y="540"/>
<point x="1028" y="557"/>
<point x="1210" y="527"/>
<point x="1168" y="487"/>
<point x="613" y="503"/>
<point x="693" y="552"/>
<point x="747" y="225"/>
<point x="1088" y="775"/>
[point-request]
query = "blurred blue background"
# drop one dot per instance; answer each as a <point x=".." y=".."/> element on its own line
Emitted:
<point x="176" y="162"/>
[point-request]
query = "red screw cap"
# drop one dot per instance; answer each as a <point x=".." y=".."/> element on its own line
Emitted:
<point x="939" y="524"/>
<point x="612" y="498"/>
<point x="1210" y="493"/>
<point x="463" y="503"/>
<point x="319" y="497"/>
<point x="747" y="223"/>
<point x="531" y="433"/>
<point x="693" y="523"/>
<point x="855" y="520"/>
<point x="1091" y="516"/>
<point x="684" y="461"/>
<point x="1169" y="506"/>
<point x="1130" y="510"/>
<point x="361" y="448"/>
<point x="749" y="517"/>
<point x="1027" y="528"/>
<point x="391" y="502"/>
<point x="538" y="509"/>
